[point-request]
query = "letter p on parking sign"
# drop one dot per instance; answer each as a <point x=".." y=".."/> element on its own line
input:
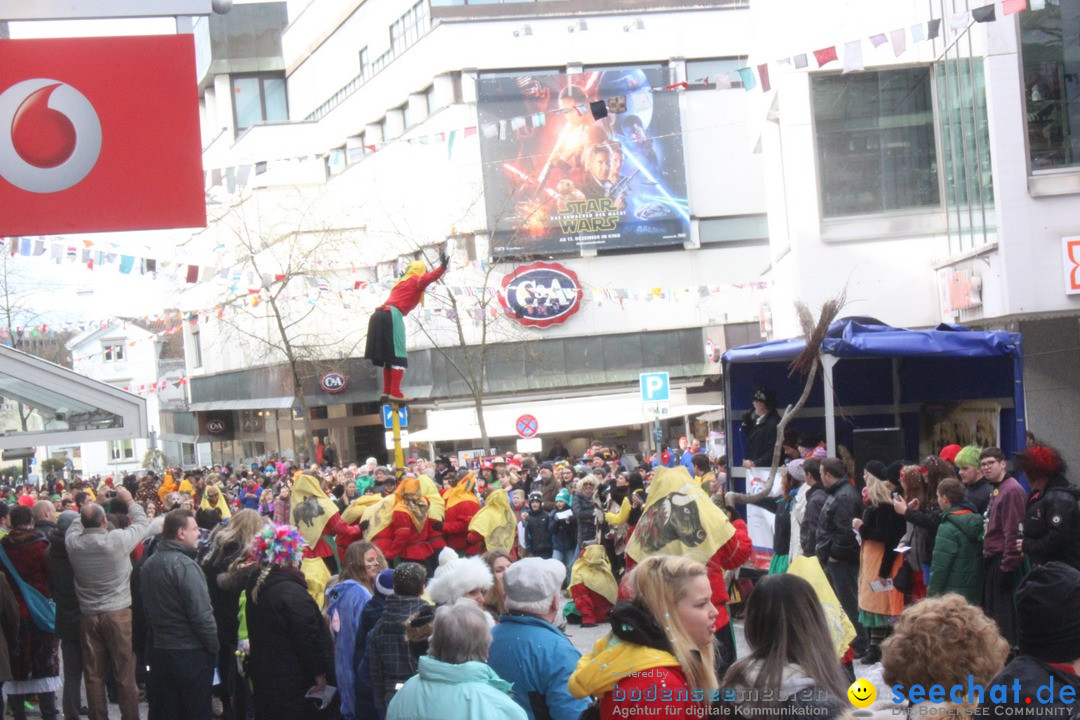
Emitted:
<point x="655" y="387"/>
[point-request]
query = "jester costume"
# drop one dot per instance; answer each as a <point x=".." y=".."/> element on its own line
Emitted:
<point x="319" y="521"/>
<point x="386" y="328"/>
<point x="404" y="533"/>
<point x="592" y="586"/>
<point x="679" y="518"/>
<point x="462" y="504"/>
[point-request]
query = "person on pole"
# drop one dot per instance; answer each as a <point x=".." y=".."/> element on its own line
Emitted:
<point x="386" y="328"/>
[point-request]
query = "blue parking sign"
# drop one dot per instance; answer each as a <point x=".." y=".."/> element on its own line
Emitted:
<point x="654" y="387"/>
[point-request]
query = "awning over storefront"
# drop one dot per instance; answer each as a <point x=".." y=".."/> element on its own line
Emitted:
<point x="554" y="417"/>
<point x="270" y="403"/>
<point x="65" y="407"/>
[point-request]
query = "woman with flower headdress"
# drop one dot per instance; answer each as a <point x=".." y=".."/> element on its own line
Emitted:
<point x="386" y="328"/>
<point x="405" y="534"/>
<point x="291" y="649"/>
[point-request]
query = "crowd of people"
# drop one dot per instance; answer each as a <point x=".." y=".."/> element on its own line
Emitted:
<point x="289" y="590"/>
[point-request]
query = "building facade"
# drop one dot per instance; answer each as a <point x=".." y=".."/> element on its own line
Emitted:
<point x="591" y="168"/>
<point x="929" y="170"/>
<point x="144" y="359"/>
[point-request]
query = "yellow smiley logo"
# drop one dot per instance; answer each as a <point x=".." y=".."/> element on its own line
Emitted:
<point x="862" y="693"/>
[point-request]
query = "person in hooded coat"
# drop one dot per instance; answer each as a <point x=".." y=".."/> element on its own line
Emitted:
<point x="721" y="543"/>
<point x="344" y="607"/>
<point x="592" y="585"/>
<point x="462" y="504"/>
<point x="957" y="565"/>
<point x="291" y="648"/>
<point x="406" y="537"/>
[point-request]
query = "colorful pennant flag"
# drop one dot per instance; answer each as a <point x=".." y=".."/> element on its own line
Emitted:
<point x="825" y="56"/>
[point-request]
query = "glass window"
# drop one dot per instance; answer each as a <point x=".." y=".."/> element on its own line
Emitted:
<point x="736" y="229"/>
<point x="259" y="99"/>
<point x="702" y="74"/>
<point x="196" y="349"/>
<point x="121" y="450"/>
<point x="1051" y="59"/>
<point x="876" y="146"/>
<point x="113" y="352"/>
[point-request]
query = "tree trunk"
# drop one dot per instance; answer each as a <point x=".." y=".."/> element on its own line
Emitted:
<point x="478" y="402"/>
<point x="305" y="413"/>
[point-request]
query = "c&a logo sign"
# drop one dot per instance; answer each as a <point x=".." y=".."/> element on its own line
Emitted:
<point x="99" y="134"/>
<point x="1070" y="250"/>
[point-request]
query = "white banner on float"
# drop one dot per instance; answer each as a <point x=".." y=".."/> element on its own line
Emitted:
<point x="760" y="522"/>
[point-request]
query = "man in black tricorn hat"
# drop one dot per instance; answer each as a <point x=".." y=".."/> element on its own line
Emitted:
<point x="759" y="425"/>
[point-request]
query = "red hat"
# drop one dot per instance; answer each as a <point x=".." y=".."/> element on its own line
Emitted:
<point x="514" y="461"/>
<point x="949" y="452"/>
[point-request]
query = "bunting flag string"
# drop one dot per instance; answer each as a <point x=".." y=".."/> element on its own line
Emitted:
<point x="853" y="49"/>
<point x="375" y="293"/>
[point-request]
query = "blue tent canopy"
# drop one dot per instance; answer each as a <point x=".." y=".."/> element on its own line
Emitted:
<point x="867" y="337"/>
<point x="881" y="376"/>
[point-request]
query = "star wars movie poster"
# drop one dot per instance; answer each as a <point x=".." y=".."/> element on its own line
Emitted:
<point x="557" y="182"/>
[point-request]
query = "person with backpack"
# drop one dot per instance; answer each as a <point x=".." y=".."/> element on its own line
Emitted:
<point x="35" y="662"/>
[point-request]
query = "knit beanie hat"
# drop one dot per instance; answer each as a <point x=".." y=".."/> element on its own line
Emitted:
<point x="876" y="468"/>
<point x="384" y="582"/>
<point x="948" y="453"/>
<point x="563" y="496"/>
<point x="1048" y="613"/>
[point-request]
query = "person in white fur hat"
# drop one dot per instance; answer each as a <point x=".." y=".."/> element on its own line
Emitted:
<point x="459" y="578"/>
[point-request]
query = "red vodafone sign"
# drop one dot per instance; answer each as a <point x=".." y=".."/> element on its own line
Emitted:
<point x="99" y="134"/>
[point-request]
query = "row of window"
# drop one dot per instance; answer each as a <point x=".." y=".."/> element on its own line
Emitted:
<point x="404" y="32"/>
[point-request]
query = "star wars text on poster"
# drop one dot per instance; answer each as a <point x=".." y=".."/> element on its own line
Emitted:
<point x="589" y="216"/>
<point x="556" y="180"/>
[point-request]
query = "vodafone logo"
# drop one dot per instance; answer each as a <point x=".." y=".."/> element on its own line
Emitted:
<point x="50" y="135"/>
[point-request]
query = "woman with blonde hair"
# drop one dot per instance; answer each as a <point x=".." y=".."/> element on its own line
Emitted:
<point x="658" y="657"/>
<point x="881" y="529"/>
<point x="229" y="543"/>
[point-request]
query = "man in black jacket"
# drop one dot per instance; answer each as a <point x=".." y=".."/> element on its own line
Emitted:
<point x="62" y="591"/>
<point x="837" y="548"/>
<point x="178" y="609"/>
<point x="1048" y="629"/>
<point x="1052" y="518"/>
<point x="760" y="426"/>
<point x="815" y="501"/>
